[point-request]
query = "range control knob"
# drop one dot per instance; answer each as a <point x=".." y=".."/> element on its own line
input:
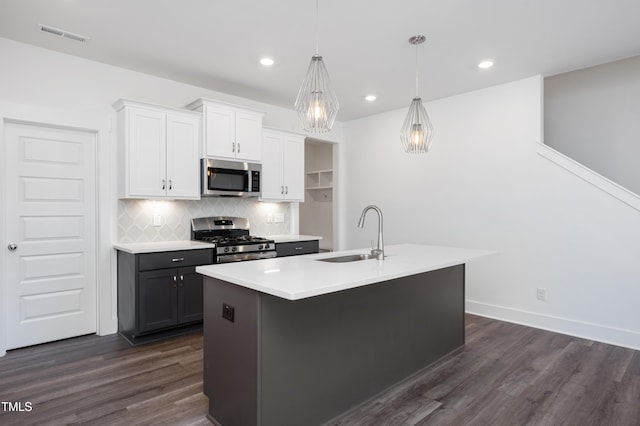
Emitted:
<point x="260" y="247"/>
<point x="233" y="249"/>
<point x="226" y="249"/>
<point x="266" y="246"/>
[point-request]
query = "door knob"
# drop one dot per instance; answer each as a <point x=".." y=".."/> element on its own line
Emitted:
<point x="12" y="246"/>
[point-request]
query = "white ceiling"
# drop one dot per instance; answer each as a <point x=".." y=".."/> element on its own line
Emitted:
<point x="216" y="44"/>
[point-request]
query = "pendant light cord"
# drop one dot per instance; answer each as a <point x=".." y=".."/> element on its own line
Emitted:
<point x="317" y="32"/>
<point x="417" y="92"/>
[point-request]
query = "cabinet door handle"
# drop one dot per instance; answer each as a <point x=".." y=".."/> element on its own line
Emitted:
<point x="281" y="189"/>
<point x="175" y="280"/>
<point x="177" y="259"/>
<point x="238" y="146"/>
<point x="181" y="280"/>
<point x="170" y="184"/>
<point x="233" y="147"/>
<point x="286" y="189"/>
<point x="163" y="184"/>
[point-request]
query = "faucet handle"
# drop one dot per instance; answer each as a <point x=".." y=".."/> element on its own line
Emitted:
<point x="376" y="252"/>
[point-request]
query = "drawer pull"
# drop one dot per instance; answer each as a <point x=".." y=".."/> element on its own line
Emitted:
<point x="298" y="248"/>
<point x="177" y="259"/>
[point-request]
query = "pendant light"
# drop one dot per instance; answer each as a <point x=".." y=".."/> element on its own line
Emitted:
<point x="317" y="103"/>
<point x="417" y="130"/>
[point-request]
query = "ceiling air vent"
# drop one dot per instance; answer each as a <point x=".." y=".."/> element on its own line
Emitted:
<point x="63" y="33"/>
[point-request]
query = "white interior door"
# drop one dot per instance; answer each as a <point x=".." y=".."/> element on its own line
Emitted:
<point x="50" y="211"/>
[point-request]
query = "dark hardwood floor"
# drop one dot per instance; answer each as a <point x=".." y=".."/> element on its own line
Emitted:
<point x="103" y="381"/>
<point x="505" y="375"/>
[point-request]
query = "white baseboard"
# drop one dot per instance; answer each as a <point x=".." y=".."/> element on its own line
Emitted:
<point x="585" y="330"/>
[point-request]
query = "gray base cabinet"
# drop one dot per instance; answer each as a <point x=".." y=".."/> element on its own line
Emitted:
<point x="296" y="248"/>
<point x="278" y="362"/>
<point x="159" y="292"/>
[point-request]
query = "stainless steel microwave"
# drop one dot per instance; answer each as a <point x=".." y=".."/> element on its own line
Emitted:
<point x="230" y="178"/>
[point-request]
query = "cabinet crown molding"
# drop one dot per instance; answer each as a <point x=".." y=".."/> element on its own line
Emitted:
<point x="122" y="103"/>
<point x="200" y="102"/>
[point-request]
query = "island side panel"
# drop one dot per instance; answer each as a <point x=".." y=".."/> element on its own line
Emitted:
<point x="127" y="296"/>
<point x="327" y="354"/>
<point x="230" y="353"/>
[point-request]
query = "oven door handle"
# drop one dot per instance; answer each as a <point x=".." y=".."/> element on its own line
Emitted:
<point x="245" y="256"/>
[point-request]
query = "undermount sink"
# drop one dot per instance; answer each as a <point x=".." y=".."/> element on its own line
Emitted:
<point x="347" y="258"/>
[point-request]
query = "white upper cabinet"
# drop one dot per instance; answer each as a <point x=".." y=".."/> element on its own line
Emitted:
<point x="158" y="151"/>
<point x="282" y="166"/>
<point x="230" y="132"/>
<point x="183" y="163"/>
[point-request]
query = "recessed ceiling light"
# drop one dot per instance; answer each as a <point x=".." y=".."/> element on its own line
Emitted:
<point x="370" y="98"/>
<point x="485" y="64"/>
<point x="266" y="62"/>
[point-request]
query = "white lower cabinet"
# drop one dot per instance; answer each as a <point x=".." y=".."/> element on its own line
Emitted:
<point x="158" y="151"/>
<point x="282" y="166"/>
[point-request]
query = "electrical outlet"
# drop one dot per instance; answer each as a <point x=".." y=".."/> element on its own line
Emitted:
<point x="278" y="218"/>
<point x="541" y="294"/>
<point x="228" y="312"/>
<point x="269" y="217"/>
<point x="157" y="220"/>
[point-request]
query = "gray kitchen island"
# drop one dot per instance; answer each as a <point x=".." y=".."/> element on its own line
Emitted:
<point x="300" y="341"/>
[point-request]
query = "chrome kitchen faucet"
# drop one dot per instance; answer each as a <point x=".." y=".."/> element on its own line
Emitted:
<point x="378" y="252"/>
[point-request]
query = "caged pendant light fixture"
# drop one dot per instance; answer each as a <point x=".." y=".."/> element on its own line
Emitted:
<point x="417" y="130"/>
<point x="317" y="103"/>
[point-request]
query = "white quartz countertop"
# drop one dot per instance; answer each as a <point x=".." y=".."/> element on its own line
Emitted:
<point x="294" y="238"/>
<point x="299" y="277"/>
<point x="152" y="247"/>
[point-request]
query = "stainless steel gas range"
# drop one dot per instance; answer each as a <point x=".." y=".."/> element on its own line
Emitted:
<point x="232" y="239"/>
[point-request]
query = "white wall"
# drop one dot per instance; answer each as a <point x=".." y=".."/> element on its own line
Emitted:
<point x="591" y="115"/>
<point x="35" y="79"/>
<point x="483" y="186"/>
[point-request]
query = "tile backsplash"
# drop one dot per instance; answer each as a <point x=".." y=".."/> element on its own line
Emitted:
<point x="136" y="217"/>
